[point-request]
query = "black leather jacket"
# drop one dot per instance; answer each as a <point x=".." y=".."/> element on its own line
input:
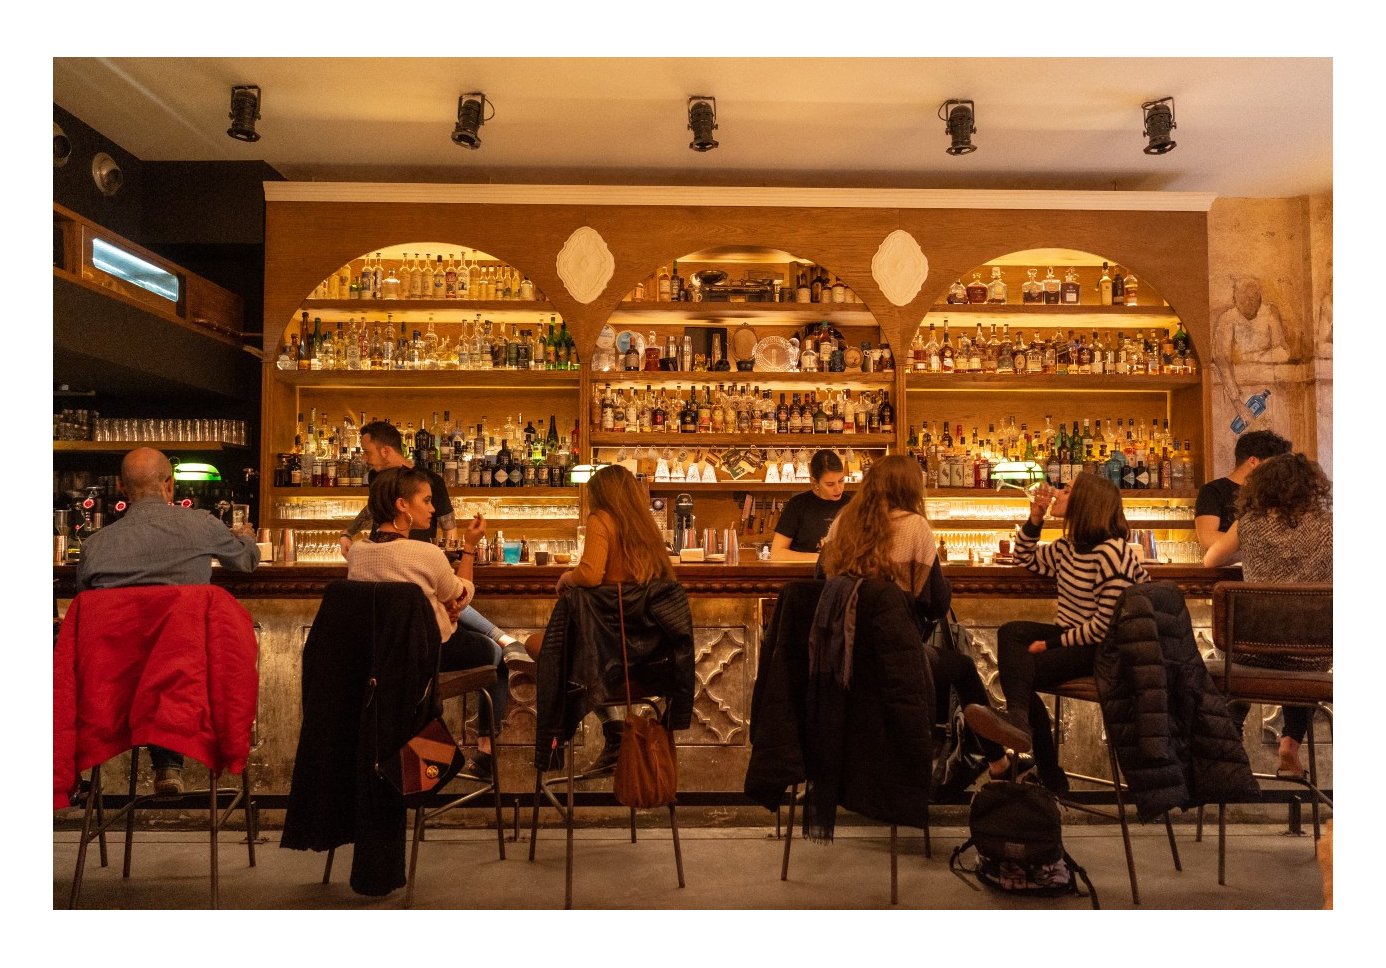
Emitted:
<point x="580" y="663"/>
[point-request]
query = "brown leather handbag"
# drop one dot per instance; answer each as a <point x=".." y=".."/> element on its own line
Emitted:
<point x="646" y="769"/>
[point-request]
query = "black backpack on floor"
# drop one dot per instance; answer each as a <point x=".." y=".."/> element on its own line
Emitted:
<point x="1018" y="836"/>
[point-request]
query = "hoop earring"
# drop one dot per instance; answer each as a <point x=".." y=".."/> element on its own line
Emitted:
<point x="407" y="515"/>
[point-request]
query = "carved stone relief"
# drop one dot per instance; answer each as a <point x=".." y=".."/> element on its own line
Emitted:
<point x="585" y="264"/>
<point x="900" y="267"/>
<point x="720" y="704"/>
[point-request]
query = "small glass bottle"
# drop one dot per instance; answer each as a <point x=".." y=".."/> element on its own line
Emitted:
<point x="1129" y="285"/>
<point x="1071" y="292"/>
<point x="976" y="289"/>
<point x="1104" y="287"/>
<point x="1051" y="286"/>
<point x="1031" y="290"/>
<point x="957" y="293"/>
<point x="996" y="289"/>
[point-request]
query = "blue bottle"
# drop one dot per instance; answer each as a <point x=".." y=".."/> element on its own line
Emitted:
<point x="1115" y="464"/>
<point x="1255" y="405"/>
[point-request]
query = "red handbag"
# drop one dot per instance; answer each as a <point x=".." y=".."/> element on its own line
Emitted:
<point x="646" y="768"/>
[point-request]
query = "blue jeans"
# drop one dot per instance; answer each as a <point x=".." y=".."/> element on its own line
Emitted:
<point x="474" y="620"/>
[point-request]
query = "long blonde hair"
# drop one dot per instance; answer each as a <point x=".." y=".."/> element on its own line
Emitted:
<point x="635" y="539"/>
<point x="863" y="531"/>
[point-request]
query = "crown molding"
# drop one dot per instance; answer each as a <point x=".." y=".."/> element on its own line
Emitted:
<point x="917" y="198"/>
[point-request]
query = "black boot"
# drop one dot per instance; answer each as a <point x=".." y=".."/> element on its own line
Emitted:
<point x="611" y="750"/>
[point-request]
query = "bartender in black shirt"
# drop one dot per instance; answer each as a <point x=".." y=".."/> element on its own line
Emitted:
<point x="1216" y="507"/>
<point x="806" y="517"/>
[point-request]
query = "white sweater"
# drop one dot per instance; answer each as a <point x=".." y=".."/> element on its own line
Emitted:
<point x="419" y="562"/>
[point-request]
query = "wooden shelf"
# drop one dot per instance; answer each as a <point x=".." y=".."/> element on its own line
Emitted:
<point x="121" y="446"/>
<point x="1132" y="494"/>
<point x="729" y="486"/>
<point x="453" y="491"/>
<point x="718" y="313"/>
<point x="1105" y="383"/>
<point x="1159" y="315"/>
<point x="769" y="378"/>
<point x="430" y="379"/>
<point x="406" y="308"/>
<point x="817" y="441"/>
<point x="998" y="524"/>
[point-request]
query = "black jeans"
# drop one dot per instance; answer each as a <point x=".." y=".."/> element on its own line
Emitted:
<point x="467" y="650"/>
<point x="953" y="669"/>
<point x="1296" y="718"/>
<point x="1022" y="673"/>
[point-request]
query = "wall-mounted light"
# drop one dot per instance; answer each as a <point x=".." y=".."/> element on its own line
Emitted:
<point x="961" y="125"/>
<point x="702" y="121"/>
<point x="471" y="110"/>
<point x="62" y="146"/>
<point x="1159" y="122"/>
<point x="106" y="173"/>
<point x="245" y="111"/>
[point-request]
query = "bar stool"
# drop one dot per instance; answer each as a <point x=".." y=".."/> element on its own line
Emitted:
<point x="92" y="662"/>
<point x="659" y="706"/>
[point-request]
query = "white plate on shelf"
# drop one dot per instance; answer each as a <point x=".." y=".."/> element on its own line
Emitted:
<point x="603" y="361"/>
<point x="628" y="337"/>
<point x="772" y="354"/>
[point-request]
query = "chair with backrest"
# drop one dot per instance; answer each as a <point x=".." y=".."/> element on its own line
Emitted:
<point x="581" y="669"/>
<point x="1145" y="673"/>
<point x="170" y="665"/>
<point x="866" y="747"/>
<point x="370" y="683"/>
<point x="1277" y="643"/>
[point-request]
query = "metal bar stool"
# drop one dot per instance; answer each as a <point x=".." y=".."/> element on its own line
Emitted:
<point x="894" y="847"/>
<point x="1085" y="690"/>
<point x="544" y="789"/>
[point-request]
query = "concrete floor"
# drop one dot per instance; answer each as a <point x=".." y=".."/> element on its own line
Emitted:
<point x="725" y="868"/>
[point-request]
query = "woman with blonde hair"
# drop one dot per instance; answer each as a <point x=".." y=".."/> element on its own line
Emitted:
<point x="885" y="534"/>
<point x="623" y="544"/>
<point x="1092" y="564"/>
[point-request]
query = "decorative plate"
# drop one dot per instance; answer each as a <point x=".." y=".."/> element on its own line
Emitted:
<point x="772" y="354"/>
<point x="743" y="343"/>
<point x="626" y="337"/>
<point x="603" y="361"/>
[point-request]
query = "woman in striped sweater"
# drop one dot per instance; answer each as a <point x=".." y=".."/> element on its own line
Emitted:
<point x="1092" y="564"/>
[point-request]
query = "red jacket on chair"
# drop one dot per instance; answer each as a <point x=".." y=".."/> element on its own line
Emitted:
<point x="171" y="665"/>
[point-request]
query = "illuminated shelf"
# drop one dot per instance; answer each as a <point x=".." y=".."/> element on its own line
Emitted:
<point x="776" y="441"/>
<point x="430" y="379"/>
<point x="846" y="379"/>
<point x="1106" y="383"/>
<point x="121" y="446"/>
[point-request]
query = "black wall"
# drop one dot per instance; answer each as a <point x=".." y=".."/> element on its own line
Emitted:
<point x="74" y="188"/>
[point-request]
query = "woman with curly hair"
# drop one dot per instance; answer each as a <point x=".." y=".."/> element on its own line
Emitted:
<point x="884" y="534"/>
<point x="1283" y="533"/>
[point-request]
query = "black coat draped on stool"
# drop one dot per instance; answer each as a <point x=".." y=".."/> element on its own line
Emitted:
<point x="336" y="797"/>
<point x="886" y="718"/>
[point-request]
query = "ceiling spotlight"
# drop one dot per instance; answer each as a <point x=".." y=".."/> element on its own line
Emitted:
<point x="471" y="110"/>
<point x="1159" y="122"/>
<point x="702" y="121"/>
<point x="62" y="146"/>
<point x="961" y="125"/>
<point x="106" y="173"/>
<point x="245" y="111"/>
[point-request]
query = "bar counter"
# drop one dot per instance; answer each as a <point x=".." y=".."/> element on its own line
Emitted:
<point x="729" y="606"/>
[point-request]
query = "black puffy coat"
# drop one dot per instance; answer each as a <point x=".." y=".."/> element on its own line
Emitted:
<point x="580" y="662"/>
<point x="1166" y="719"/>
<point x="888" y="717"/>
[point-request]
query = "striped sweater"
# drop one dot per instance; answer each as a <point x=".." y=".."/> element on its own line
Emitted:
<point x="1090" y="583"/>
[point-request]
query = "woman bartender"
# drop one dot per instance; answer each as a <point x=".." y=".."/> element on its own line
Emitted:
<point x="806" y="517"/>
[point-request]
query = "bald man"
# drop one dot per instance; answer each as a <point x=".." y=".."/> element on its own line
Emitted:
<point x="159" y="543"/>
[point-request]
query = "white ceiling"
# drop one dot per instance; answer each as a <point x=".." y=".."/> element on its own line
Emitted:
<point x="1246" y="126"/>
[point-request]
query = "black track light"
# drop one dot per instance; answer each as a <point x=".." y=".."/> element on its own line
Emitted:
<point x="471" y="111"/>
<point x="1159" y="122"/>
<point x="245" y="111"/>
<point x="961" y="125"/>
<point x="702" y="121"/>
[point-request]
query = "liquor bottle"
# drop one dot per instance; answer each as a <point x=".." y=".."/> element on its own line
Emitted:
<point x="1005" y="355"/>
<point x="423" y="441"/>
<point x="887" y="413"/>
<point x="932" y="363"/>
<point x="305" y="347"/>
<point x="820" y="417"/>
<point x="990" y="350"/>
<point x="1118" y="287"/>
<point x="996" y="289"/>
<point x="975" y="351"/>
<point x="1085" y="357"/>
<point x="664" y="284"/>
<point x="1052" y="288"/>
<point x="976" y="289"/>
<point x="802" y="292"/>
<point x="782" y="417"/>
<point x="957" y="293"/>
<point x="1020" y="355"/>
<point x="1031" y="290"/>
<point x="1104" y="287"/>
<point x="315" y="350"/>
<point x="500" y="476"/>
<point x="1129" y="285"/>
<point x="1098" y="365"/>
<point x="676" y="285"/>
<point x="1246" y="416"/>
<point x="439" y="289"/>
<point x="796" y="416"/>
<point x="1070" y="293"/>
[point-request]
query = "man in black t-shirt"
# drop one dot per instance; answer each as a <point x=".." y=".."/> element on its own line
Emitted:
<point x="806" y="517"/>
<point x="1216" y="507"/>
<point x="383" y="448"/>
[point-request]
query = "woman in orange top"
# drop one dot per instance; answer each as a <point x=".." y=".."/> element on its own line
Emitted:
<point x="622" y="545"/>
